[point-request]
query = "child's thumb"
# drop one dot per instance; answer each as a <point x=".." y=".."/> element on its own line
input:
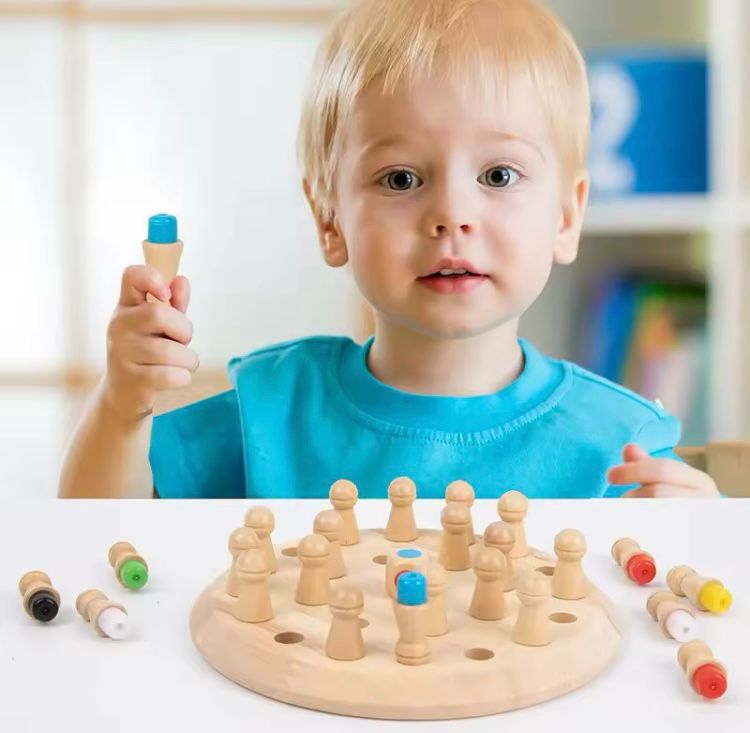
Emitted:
<point x="633" y="452"/>
<point x="180" y="287"/>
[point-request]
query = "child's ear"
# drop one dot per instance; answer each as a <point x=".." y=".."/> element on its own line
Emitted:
<point x="571" y="221"/>
<point x="330" y="237"/>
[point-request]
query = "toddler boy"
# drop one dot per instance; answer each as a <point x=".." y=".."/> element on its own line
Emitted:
<point x="443" y="147"/>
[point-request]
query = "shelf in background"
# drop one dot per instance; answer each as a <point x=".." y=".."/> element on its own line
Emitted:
<point x="667" y="215"/>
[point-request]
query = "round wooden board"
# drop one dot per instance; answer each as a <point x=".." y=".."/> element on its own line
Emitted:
<point x="285" y="658"/>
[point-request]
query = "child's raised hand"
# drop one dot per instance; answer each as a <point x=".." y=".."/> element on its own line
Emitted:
<point x="147" y="343"/>
<point x="659" y="477"/>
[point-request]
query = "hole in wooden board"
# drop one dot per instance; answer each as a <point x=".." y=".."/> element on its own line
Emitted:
<point x="363" y="623"/>
<point x="563" y="618"/>
<point x="289" y="551"/>
<point x="380" y="559"/>
<point x="288" y="637"/>
<point x="547" y="570"/>
<point x="479" y="654"/>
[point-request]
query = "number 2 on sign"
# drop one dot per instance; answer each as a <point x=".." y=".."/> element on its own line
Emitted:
<point x="615" y="103"/>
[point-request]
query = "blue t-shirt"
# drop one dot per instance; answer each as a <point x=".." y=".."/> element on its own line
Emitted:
<point x="305" y="413"/>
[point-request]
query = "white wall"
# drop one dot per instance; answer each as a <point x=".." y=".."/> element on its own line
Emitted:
<point x="31" y="316"/>
<point x="201" y="122"/>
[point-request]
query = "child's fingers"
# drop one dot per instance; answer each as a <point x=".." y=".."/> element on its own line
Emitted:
<point x="154" y="350"/>
<point x="159" y="377"/>
<point x="654" y="471"/>
<point x="663" y="491"/>
<point x="154" y="319"/>
<point x="138" y="281"/>
<point x="642" y="492"/>
<point x="633" y="452"/>
<point x="180" y="287"/>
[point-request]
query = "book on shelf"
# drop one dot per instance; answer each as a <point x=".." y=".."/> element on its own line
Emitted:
<point x="648" y="333"/>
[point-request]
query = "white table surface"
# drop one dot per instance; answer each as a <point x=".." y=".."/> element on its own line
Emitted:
<point x="60" y="675"/>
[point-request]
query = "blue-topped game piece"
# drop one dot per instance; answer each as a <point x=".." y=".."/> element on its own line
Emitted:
<point x="162" y="229"/>
<point x="409" y="552"/>
<point x="411" y="589"/>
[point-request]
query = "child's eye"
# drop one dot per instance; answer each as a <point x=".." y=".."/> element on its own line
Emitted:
<point x="399" y="180"/>
<point x="501" y="176"/>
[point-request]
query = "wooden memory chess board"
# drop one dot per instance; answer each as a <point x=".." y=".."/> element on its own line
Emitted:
<point x="474" y="669"/>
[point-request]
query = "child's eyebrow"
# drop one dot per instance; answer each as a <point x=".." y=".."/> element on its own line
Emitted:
<point x="514" y="138"/>
<point x="397" y="138"/>
<point x="382" y="143"/>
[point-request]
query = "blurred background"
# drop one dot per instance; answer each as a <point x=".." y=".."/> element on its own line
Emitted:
<point x="113" y="110"/>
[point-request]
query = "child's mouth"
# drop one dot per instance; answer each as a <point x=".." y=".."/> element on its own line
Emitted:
<point x="452" y="284"/>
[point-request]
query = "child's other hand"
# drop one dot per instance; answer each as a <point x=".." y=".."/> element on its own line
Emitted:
<point x="147" y="343"/>
<point x="659" y="477"/>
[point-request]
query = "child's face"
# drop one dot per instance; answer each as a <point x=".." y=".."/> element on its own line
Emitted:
<point x="426" y="179"/>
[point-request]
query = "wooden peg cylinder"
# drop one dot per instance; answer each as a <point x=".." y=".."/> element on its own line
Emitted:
<point x="261" y="520"/>
<point x="501" y="536"/>
<point x="410" y="607"/>
<point x="343" y="497"/>
<point x="707" y="676"/>
<point x="568" y="579"/>
<point x="675" y="616"/>
<point x="454" y="544"/>
<point x="253" y="604"/>
<point x="706" y="594"/>
<point x="40" y="600"/>
<point x="532" y="627"/>
<point x="240" y="540"/>
<point x="512" y="507"/>
<point x="462" y="491"/>
<point x="488" y="601"/>
<point x="401" y="560"/>
<point x="162" y="256"/>
<point x="402" y="526"/>
<point x="638" y="565"/>
<point x="436" y="618"/>
<point x="345" y="642"/>
<point x="131" y="570"/>
<point x="313" y="584"/>
<point x="330" y="525"/>
<point x="91" y="604"/>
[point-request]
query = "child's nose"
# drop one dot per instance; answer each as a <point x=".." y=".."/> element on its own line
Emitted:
<point x="449" y="215"/>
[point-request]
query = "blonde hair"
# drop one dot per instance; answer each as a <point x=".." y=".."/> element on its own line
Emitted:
<point x="389" y="40"/>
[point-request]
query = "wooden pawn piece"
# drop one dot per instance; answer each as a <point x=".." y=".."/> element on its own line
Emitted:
<point x="706" y="594"/>
<point x="454" y="547"/>
<point x="345" y="641"/>
<point x="707" y="676"/>
<point x="107" y="618"/>
<point x="638" y="565"/>
<point x="488" y="601"/>
<point x="675" y="617"/>
<point x="343" y="497"/>
<point x="240" y="540"/>
<point x="253" y="603"/>
<point x="329" y="524"/>
<point x="568" y="580"/>
<point x="131" y="570"/>
<point x="463" y="492"/>
<point x="409" y="607"/>
<point x="501" y="536"/>
<point x="260" y="519"/>
<point x="532" y="627"/>
<point x="436" y="619"/>
<point x="401" y="526"/>
<point x="40" y="600"/>
<point x="512" y="507"/>
<point x="313" y="584"/>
